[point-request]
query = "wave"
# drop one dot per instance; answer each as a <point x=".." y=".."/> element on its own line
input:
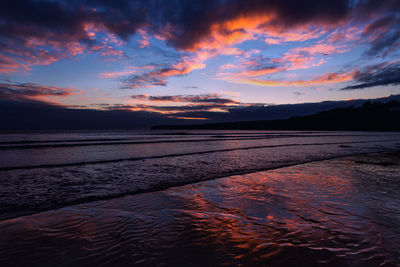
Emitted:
<point x="183" y="154"/>
<point x="13" y="211"/>
<point x="107" y="142"/>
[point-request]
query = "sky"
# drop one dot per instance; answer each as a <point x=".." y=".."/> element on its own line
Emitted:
<point x="192" y="60"/>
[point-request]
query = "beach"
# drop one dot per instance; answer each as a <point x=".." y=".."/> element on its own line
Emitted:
<point x="343" y="211"/>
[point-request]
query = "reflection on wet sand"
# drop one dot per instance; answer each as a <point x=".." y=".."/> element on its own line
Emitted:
<point x="330" y="212"/>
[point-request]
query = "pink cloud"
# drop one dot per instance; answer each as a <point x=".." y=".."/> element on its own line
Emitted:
<point x="145" y="38"/>
<point x="9" y="65"/>
<point x="318" y="49"/>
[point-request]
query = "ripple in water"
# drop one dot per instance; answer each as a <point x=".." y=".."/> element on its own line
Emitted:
<point x="337" y="212"/>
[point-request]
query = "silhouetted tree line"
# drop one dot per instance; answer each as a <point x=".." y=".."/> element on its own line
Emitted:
<point x="371" y="116"/>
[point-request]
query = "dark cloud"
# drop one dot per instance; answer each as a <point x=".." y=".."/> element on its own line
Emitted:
<point x="141" y="97"/>
<point x="376" y="75"/>
<point x="149" y="79"/>
<point x="193" y="20"/>
<point x="64" y="22"/>
<point x="204" y="98"/>
<point x="188" y="21"/>
<point x="383" y="35"/>
<point x="258" y="65"/>
<point x="14" y="91"/>
<point x="364" y="8"/>
<point x="191" y="103"/>
<point x="157" y="75"/>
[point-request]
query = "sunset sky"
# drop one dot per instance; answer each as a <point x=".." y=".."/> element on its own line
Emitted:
<point x="180" y="57"/>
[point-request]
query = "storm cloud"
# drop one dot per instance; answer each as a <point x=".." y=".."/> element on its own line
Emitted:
<point x="376" y="75"/>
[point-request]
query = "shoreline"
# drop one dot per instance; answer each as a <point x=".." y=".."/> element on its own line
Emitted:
<point x="316" y="210"/>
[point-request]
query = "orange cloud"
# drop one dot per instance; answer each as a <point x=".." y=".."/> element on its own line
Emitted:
<point x="250" y="73"/>
<point x="185" y="66"/>
<point x="327" y="78"/>
<point x="187" y="118"/>
<point x="110" y="75"/>
<point x="248" y="27"/>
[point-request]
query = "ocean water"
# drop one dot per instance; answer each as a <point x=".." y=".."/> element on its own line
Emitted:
<point x="337" y="212"/>
<point x="43" y="171"/>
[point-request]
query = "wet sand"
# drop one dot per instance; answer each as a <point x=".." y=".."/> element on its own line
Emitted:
<point x="342" y="211"/>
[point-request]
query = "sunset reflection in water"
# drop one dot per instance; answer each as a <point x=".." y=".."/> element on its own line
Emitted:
<point x="315" y="213"/>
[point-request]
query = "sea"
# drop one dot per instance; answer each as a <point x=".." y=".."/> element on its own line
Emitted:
<point x="127" y="184"/>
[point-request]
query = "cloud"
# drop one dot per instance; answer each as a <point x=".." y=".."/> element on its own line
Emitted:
<point x="9" y="65"/>
<point x="111" y="53"/>
<point x="327" y="78"/>
<point x="344" y="35"/>
<point x="317" y="49"/>
<point x="116" y="74"/>
<point x="167" y="110"/>
<point x="17" y="58"/>
<point x="173" y="104"/>
<point x="31" y="89"/>
<point x="144" y="42"/>
<point x="306" y="57"/>
<point x="204" y="98"/>
<point x="251" y="66"/>
<point x="297" y="58"/>
<point x="41" y="32"/>
<point x="383" y="36"/>
<point x="215" y="22"/>
<point x="44" y="31"/>
<point x="140" y="97"/>
<point x="158" y="75"/>
<point x="36" y="92"/>
<point x="150" y="79"/>
<point x="377" y="75"/>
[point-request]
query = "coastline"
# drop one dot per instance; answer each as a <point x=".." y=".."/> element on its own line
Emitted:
<point x="337" y="211"/>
